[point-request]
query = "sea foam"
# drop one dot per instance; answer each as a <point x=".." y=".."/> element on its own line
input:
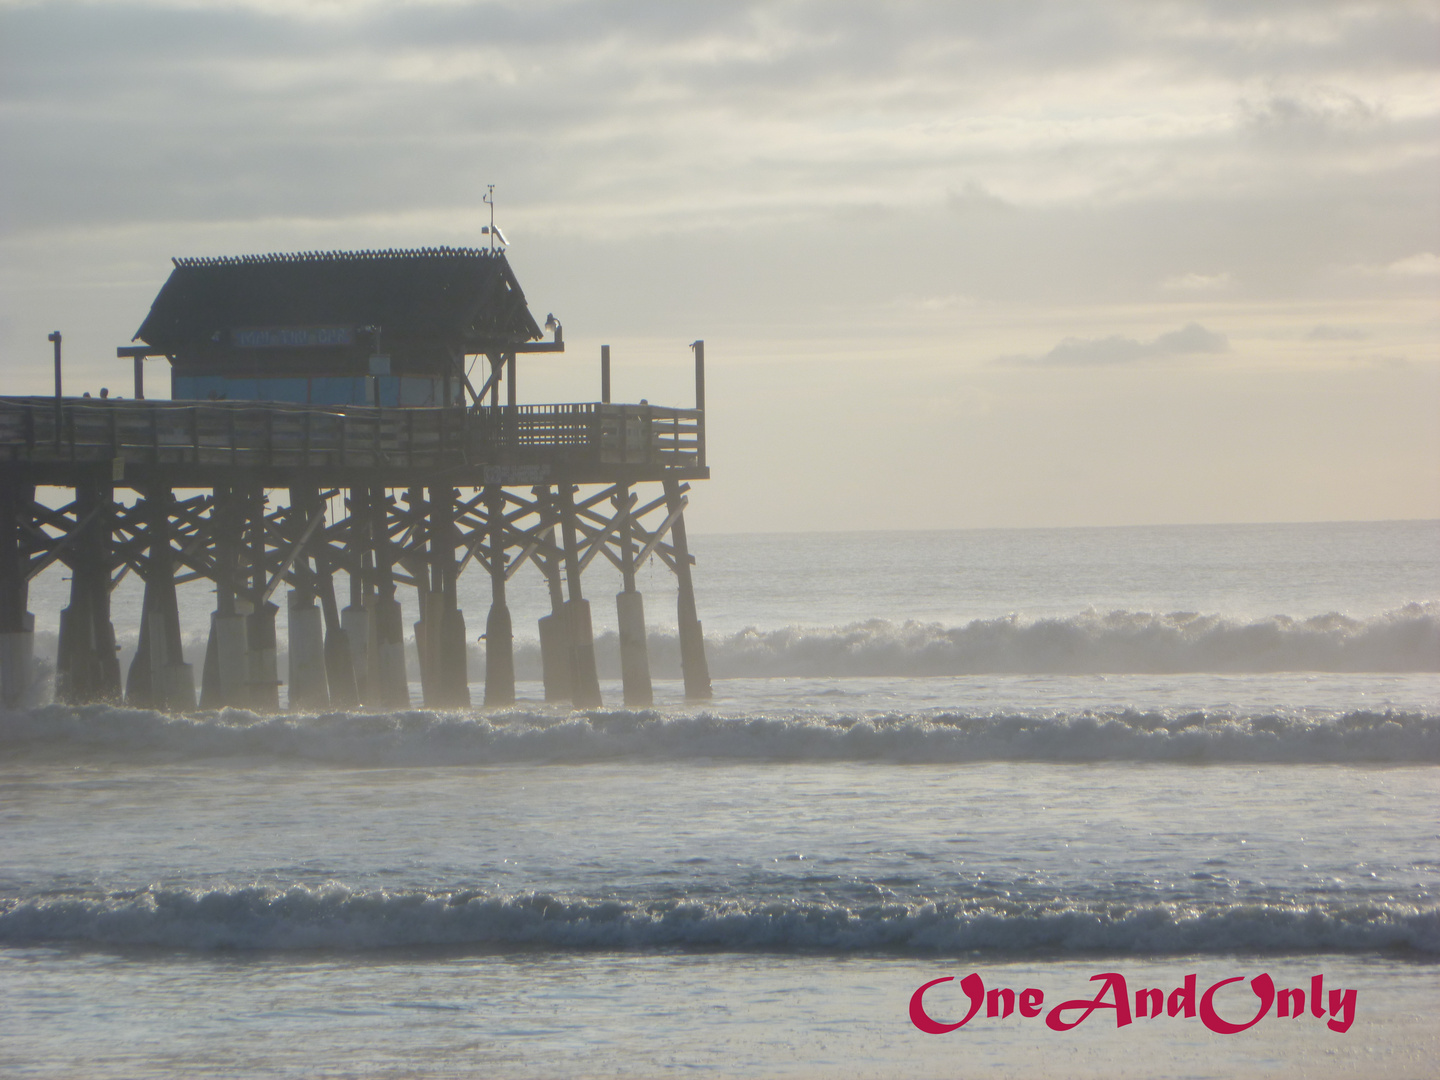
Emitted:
<point x="425" y="738"/>
<point x="336" y="917"/>
<point x="1091" y="642"/>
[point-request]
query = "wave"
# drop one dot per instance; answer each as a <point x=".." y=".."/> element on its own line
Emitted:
<point x="1092" y="642"/>
<point x="336" y="917"/>
<point x="1089" y="643"/>
<point x="425" y="738"/>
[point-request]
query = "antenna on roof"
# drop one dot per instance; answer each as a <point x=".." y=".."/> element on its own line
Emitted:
<point x="492" y="230"/>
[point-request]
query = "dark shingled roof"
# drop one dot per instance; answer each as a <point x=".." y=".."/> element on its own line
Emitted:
<point x="453" y="294"/>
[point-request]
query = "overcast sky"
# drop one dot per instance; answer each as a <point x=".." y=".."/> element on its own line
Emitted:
<point x="956" y="264"/>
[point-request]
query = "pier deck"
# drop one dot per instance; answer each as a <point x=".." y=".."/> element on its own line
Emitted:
<point x="202" y="444"/>
<point x="552" y="485"/>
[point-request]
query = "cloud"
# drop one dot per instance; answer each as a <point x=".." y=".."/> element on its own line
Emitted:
<point x="1302" y="120"/>
<point x="1116" y="350"/>
<point x="930" y="304"/>
<point x="263" y="109"/>
<point x="1425" y="264"/>
<point x="1046" y="151"/>
<point x="975" y="200"/>
<point x="1336" y="333"/>
<point x="1197" y="282"/>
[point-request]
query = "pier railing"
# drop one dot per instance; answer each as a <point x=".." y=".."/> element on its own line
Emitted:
<point x="612" y="434"/>
<point x="586" y="436"/>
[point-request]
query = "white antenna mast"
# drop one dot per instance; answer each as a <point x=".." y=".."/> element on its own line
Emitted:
<point x="492" y="230"/>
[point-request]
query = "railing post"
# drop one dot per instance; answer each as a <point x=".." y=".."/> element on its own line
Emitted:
<point x="699" y="347"/>
<point x="55" y="338"/>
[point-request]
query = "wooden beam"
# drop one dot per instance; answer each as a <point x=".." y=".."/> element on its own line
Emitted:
<point x="659" y="534"/>
<point x="299" y="545"/>
<point x="70" y="538"/>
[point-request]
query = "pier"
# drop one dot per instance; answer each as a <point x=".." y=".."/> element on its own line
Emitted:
<point x="341" y="380"/>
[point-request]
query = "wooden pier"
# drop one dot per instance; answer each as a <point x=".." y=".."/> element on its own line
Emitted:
<point x="427" y="494"/>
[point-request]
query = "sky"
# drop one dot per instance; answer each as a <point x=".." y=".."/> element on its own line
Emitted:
<point x="956" y="264"/>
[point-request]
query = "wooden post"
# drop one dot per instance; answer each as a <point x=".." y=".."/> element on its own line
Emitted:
<point x="17" y="625"/>
<point x="699" y="348"/>
<point x="422" y="527"/>
<point x="499" y="638"/>
<point x="511" y="391"/>
<point x="445" y="632"/>
<point x="159" y="678"/>
<point x="54" y="337"/>
<point x="309" y="680"/>
<point x="586" y="680"/>
<point x="394" y="689"/>
<point x="630" y="607"/>
<point x="357" y="618"/>
<point x="225" y="676"/>
<point x="605" y="374"/>
<point x="262" y="669"/>
<point x="86" y="668"/>
<point x="692" y="636"/>
<point x="555" y="658"/>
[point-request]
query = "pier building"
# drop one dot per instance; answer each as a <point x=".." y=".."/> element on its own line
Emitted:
<point x="343" y="378"/>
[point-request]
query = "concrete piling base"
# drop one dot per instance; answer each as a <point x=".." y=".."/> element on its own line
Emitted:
<point x="444" y="667"/>
<point x="499" y="657"/>
<point x="172" y="681"/>
<point x="17" y="665"/>
<point x="453" y="685"/>
<point x="232" y="669"/>
<point x="692" y="660"/>
<point x="85" y="665"/>
<point x="582" y="655"/>
<point x="391" y="684"/>
<point x="427" y="644"/>
<point x="177" y="683"/>
<point x="359" y="626"/>
<point x="634" y="650"/>
<point x="262" y="665"/>
<point x="66" y="677"/>
<point x="340" y="670"/>
<point x="555" y="660"/>
<point x="309" y="687"/>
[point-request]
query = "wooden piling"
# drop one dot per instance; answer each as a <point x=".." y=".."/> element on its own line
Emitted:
<point x="159" y="678"/>
<point x="639" y="691"/>
<point x="555" y="656"/>
<point x="262" y="670"/>
<point x="17" y="625"/>
<point x="393" y="690"/>
<point x="86" y="667"/>
<point x="445" y="634"/>
<point x="692" y="636"/>
<point x="226" y="674"/>
<point x="499" y="639"/>
<point x="586" y="680"/>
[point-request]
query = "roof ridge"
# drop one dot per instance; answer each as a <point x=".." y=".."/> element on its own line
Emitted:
<point x="443" y="252"/>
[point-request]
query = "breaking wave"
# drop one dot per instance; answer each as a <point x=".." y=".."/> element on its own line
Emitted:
<point x="335" y="917"/>
<point x="417" y="737"/>
<point x="1093" y="642"/>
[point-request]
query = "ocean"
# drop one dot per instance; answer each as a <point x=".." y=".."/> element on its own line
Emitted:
<point x="1057" y="769"/>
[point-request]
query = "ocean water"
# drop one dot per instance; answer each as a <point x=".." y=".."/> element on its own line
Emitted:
<point x="1038" y="756"/>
